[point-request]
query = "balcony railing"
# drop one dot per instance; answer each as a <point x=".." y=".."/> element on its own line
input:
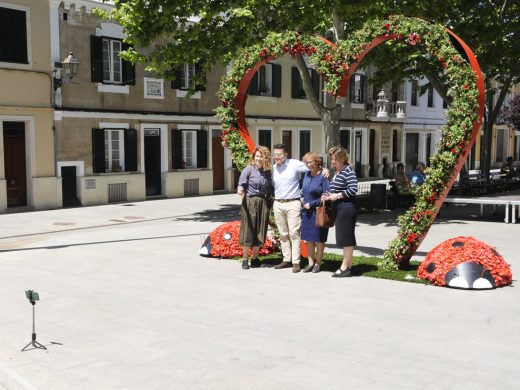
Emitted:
<point x="384" y="110"/>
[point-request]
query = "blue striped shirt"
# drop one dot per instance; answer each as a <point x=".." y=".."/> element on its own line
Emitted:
<point x="345" y="182"/>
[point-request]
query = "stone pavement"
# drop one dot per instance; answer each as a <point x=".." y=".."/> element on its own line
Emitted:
<point x="127" y="303"/>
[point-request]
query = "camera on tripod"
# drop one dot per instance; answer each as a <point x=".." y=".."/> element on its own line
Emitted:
<point x="32" y="296"/>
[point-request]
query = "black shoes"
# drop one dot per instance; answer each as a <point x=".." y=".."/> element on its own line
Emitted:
<point x="255" y="263"/>
<point x="245" y="264"/>
<point x="342" y="274"/>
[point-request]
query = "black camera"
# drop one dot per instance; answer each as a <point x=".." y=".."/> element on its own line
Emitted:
<point x="32" y="296"/>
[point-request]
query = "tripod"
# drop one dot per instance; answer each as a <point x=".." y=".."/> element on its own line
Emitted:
<point x="33" y="341"/>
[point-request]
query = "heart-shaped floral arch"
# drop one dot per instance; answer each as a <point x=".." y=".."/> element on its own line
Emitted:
<point x="336" y="64"/>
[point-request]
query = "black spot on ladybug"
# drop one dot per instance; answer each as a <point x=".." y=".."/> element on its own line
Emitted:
<point x="430" y="268"/>
<point x="457" y="244"/>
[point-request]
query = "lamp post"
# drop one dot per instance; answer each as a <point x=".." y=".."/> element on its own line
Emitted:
<point x="70" y="65"/>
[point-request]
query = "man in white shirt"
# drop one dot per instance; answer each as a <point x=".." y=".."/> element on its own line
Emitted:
<point x="287" y="205"/>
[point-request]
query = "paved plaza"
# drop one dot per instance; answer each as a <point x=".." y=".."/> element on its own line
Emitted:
<point x="127" y="303"/>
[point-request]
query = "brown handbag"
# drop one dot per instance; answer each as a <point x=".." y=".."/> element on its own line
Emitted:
<point x="324" y="215"/>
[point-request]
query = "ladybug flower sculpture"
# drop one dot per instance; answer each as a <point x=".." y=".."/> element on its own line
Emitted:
<point x="465" y="262"/>
<point x="223" y="242"/>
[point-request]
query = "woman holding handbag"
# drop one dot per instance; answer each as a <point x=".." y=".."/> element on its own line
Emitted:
<point x="343" y="190"/>
<point x="313" y="187"/>
<point x="255" y="187"/>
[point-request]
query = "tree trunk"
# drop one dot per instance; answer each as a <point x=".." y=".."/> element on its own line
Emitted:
<point x="329" y="113"/>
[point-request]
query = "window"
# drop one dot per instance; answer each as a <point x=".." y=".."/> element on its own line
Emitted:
<point x="358" y="88"/>
<point x="297" y="91"/>
<point x="111" y="61"/>
<point x="305" y="142"/>
<point x="114" y="150"/>
<point x="444" y="104"/>
<point x="153" y="88"/>
<point x="415" y="88"/>
<point x="267" y="81"/>
<point x="430" y="96"/>
<point x="13" y="36"/>
<point x="185" y="77"/>
<point x="264" y="138"/>
<point x="190" y="149"/>
<point x="106" y="64"/>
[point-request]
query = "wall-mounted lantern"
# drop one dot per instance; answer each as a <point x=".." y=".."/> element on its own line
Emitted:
<point x="69" y="68"/>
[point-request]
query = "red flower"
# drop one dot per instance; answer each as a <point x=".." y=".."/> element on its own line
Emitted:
<point x="387" y="26"/>
<point x="466" y="86"/>
<point x="411" y="238"/>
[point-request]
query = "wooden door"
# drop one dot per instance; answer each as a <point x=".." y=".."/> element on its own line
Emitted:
<point x="14" y="162"/>
<point x="152" y="161"/>
<point x="68" y="186"/>
<point x="217" y="152"/>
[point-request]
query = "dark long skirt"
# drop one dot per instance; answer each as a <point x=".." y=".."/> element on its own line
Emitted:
<point x="254" y="218"/>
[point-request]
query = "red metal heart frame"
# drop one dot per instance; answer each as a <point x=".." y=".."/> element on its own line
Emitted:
<point x="337" y="64"/>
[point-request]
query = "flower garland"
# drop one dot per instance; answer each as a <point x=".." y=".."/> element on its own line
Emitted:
<point x="335" y="63"/>
<point x="224" y="241"/>
<point x="448" y="254"/>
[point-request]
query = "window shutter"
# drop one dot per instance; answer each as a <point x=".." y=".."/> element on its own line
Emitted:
<point x="176" y="149"/>
<point x="202" y="149"/>
<point x="344" y="139"/>
<point x="198" y="70"/>
<point x="98" y="150"/>
<point x="96" y="59"/>
<point x="176" y="84"/>
<point x="352" y="86"/>
<point x="128" y="68"/>
<point x="364" y="89"/>
<point x="130" y="150"/>
<point x="253" y="86"/>
<point x="295" y="83"/>
<point x="277" y="80"/>
<point x="315" y="77"/>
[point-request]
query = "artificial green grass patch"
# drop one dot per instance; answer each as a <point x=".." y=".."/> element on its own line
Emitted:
<point x="361" y="266"/>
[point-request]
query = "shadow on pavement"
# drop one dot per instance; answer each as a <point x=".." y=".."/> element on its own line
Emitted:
<point x="225" y="214"/>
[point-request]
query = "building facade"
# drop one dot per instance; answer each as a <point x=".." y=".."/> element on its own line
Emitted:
<point x="27" y="151"/>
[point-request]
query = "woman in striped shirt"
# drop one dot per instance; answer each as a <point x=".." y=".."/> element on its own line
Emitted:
<point x="343" y="190"/>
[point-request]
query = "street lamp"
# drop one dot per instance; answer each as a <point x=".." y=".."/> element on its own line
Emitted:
<point x="70" y="66"/>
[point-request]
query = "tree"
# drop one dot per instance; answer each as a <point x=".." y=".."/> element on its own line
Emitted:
<point x="175" y="32"/>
